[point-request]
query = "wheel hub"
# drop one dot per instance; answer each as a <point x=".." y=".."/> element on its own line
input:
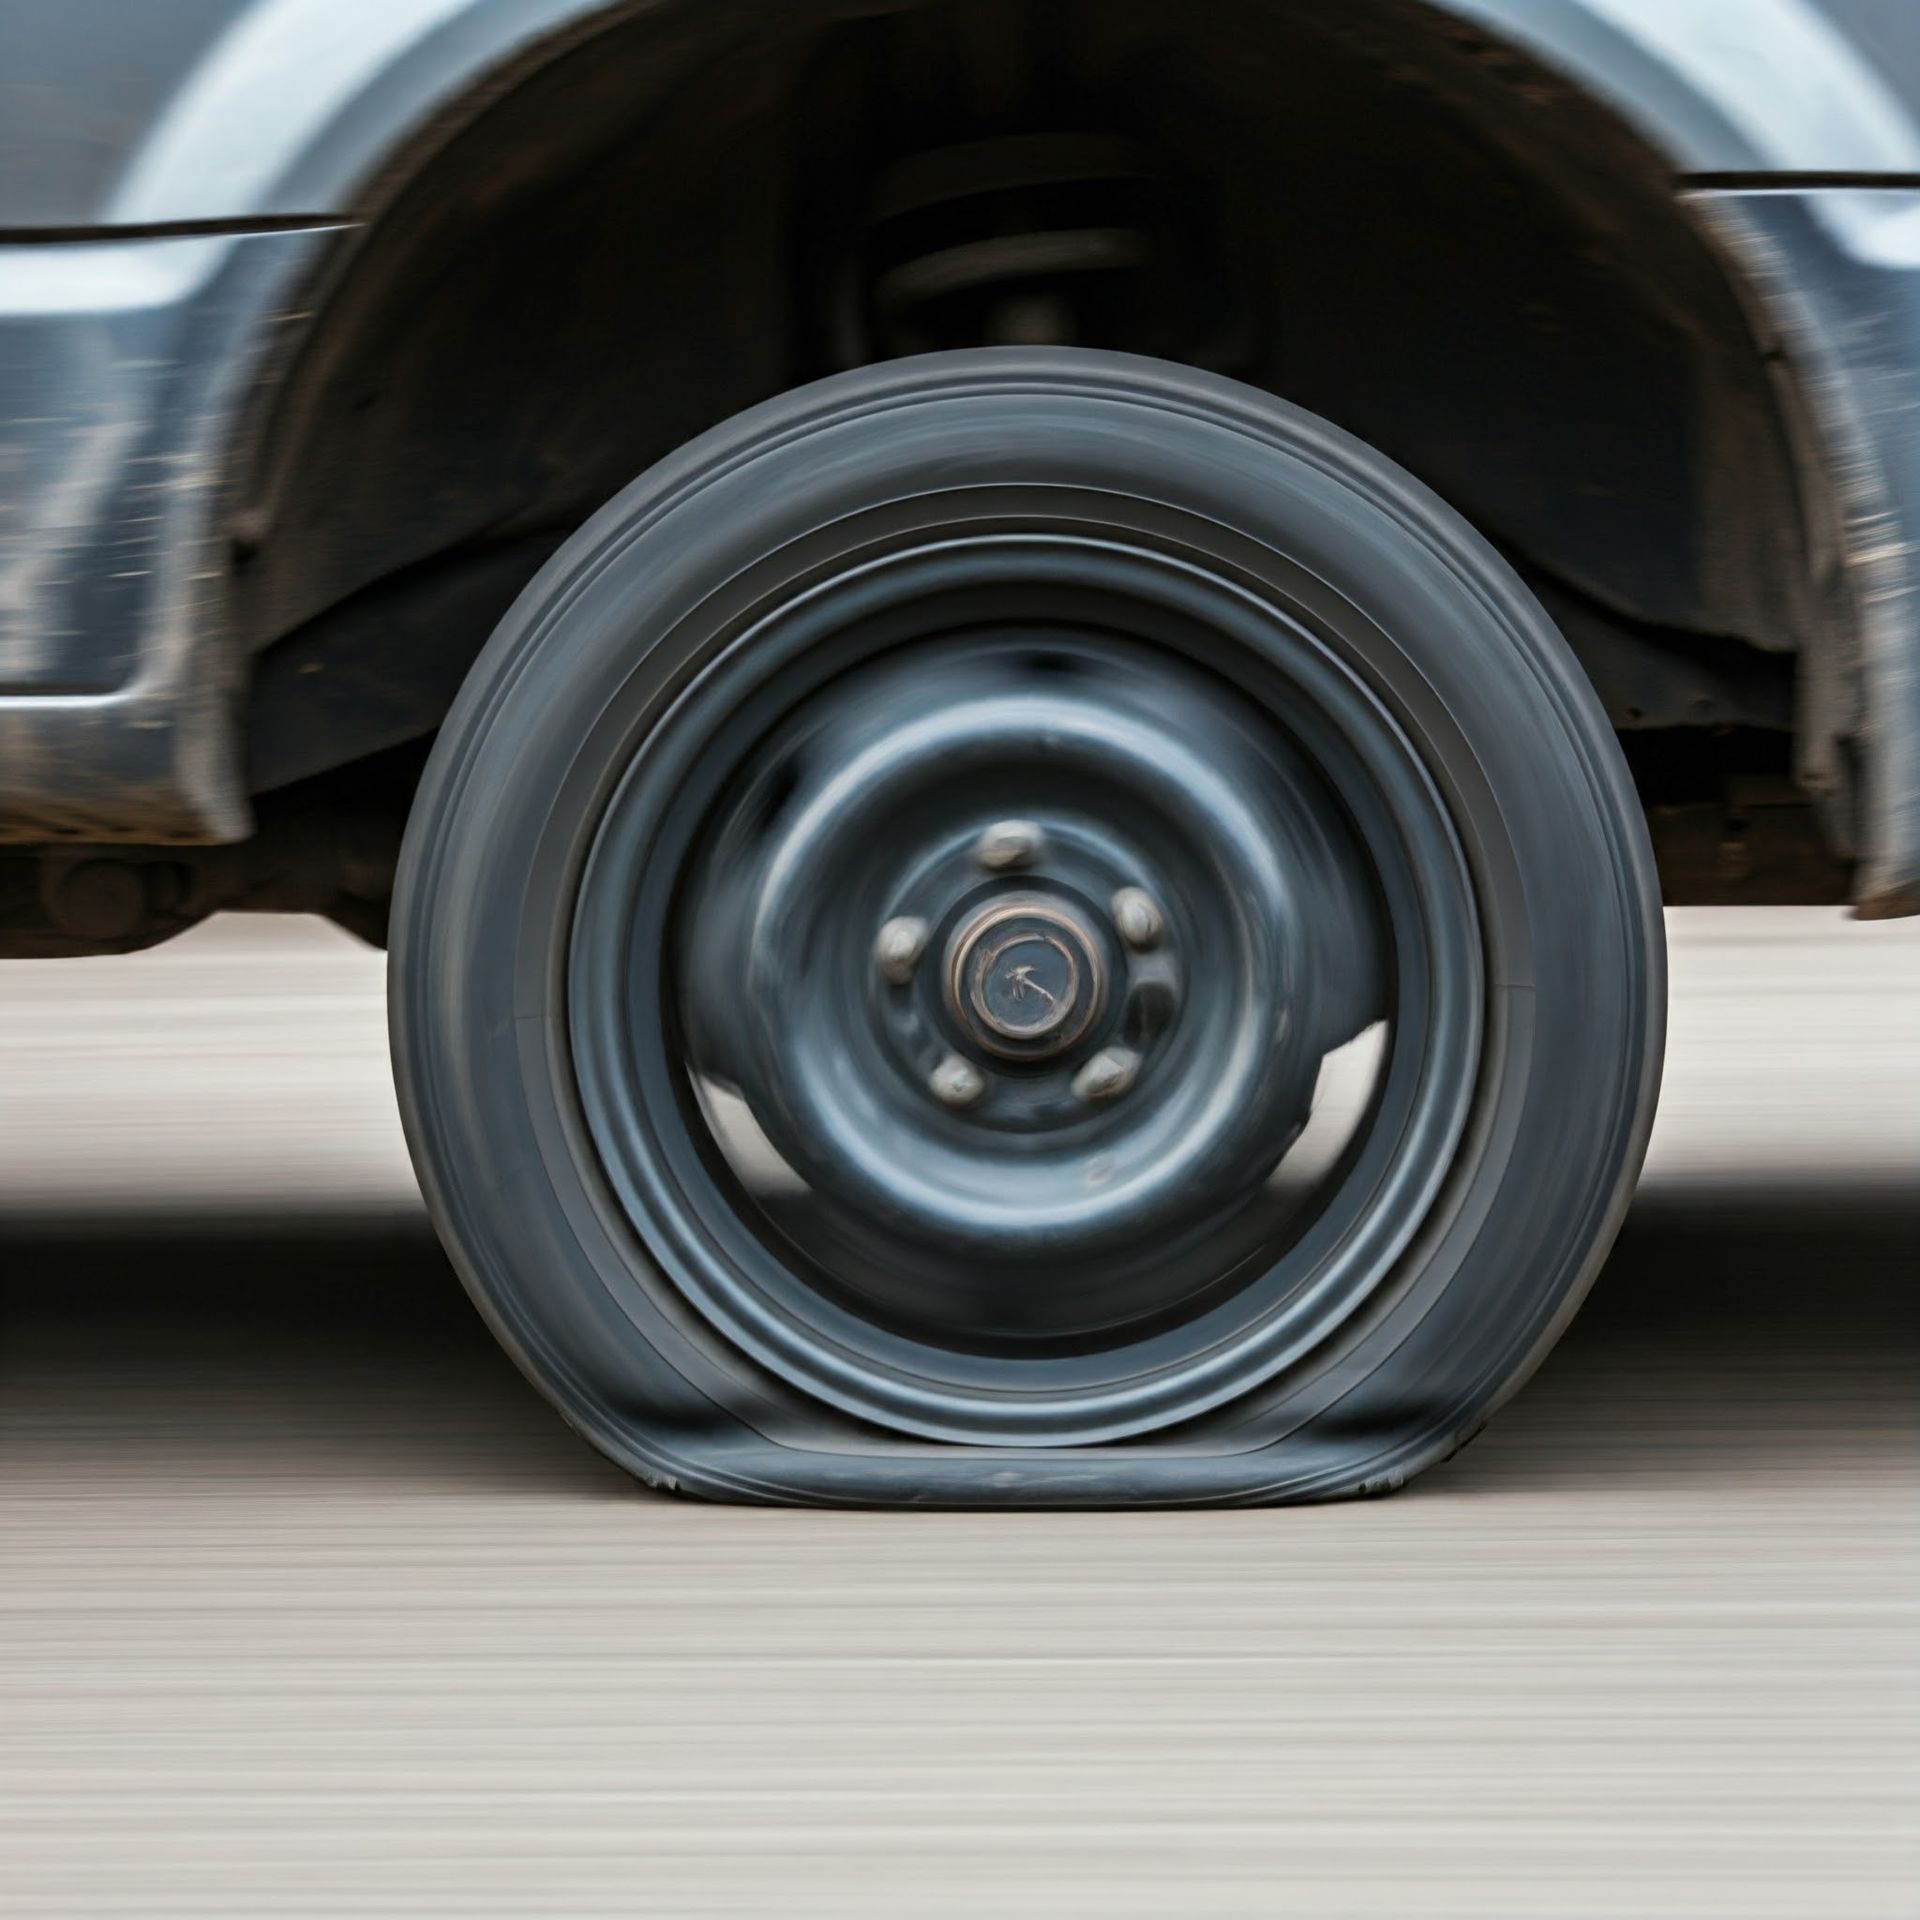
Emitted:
<point x="1010" y="946"/>
<point x="1025" y="978"/>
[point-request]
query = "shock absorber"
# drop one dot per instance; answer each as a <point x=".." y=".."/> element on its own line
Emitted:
<point x="1027" y="239"/>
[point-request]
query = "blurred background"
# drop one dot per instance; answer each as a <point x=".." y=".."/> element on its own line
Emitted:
<point x="310" y="1603"/>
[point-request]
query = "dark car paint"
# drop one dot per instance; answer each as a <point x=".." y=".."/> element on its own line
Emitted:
<point x="170" y="179"/>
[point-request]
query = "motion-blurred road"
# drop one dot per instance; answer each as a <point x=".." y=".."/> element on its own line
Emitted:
<point x="309" y="1606"/>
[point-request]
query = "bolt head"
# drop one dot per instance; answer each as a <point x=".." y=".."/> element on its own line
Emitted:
<point x="956" y="1082"/>
<point x="897" y="948"/>
<point x="1107" y="1075"/>
<point x="1137" y="918"/>
<point x="1008" y="845"/>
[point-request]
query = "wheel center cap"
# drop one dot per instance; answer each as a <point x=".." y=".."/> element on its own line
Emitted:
<point x="1025" y="978"/>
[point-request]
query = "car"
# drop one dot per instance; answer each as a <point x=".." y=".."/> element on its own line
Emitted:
<point x="1017" y="684"/>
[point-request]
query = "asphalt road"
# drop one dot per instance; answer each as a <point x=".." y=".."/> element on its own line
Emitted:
<point x="308" y="1606"/>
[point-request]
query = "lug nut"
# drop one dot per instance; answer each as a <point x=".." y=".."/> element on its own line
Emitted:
<point x="1008" y="844"/>
<point x="1107" y="1075"/>
<point x="897" y="948"/>
<point x="956" y="1082"/>
<point x="1137" y="918"/>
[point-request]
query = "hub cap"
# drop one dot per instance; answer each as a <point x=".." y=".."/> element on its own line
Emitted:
<point x="1025" y="978"/>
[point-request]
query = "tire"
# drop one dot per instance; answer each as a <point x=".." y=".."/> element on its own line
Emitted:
<point x="1253" y="756"/>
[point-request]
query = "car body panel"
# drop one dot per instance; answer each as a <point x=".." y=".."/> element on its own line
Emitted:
<point x="170" y="178"/>
<point x="1838" y="270"/>
<point x="125" y="371"/>
<point x="256" y="109"/>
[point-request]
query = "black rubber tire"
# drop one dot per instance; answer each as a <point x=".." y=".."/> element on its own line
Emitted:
<point x="1473" y="670"/>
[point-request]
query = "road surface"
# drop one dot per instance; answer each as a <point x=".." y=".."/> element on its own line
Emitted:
<point x="311" y="1607"/>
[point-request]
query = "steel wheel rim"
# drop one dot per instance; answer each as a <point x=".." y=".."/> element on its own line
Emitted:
<point x="1158" y="590"/>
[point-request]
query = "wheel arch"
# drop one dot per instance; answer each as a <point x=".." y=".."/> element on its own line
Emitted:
<point x="1667" y="81"/>
<point x="317" y="107"/>
<point x="308" y="109"/>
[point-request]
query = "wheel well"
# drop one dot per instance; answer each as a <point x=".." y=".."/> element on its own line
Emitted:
<point x="1370" y="210"/>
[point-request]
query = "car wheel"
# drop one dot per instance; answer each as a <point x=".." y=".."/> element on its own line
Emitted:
<point x="1027" y="926"/>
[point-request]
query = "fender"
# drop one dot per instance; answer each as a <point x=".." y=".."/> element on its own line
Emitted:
<point x="299" y="106"/>
<point x="286" y="119"/>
